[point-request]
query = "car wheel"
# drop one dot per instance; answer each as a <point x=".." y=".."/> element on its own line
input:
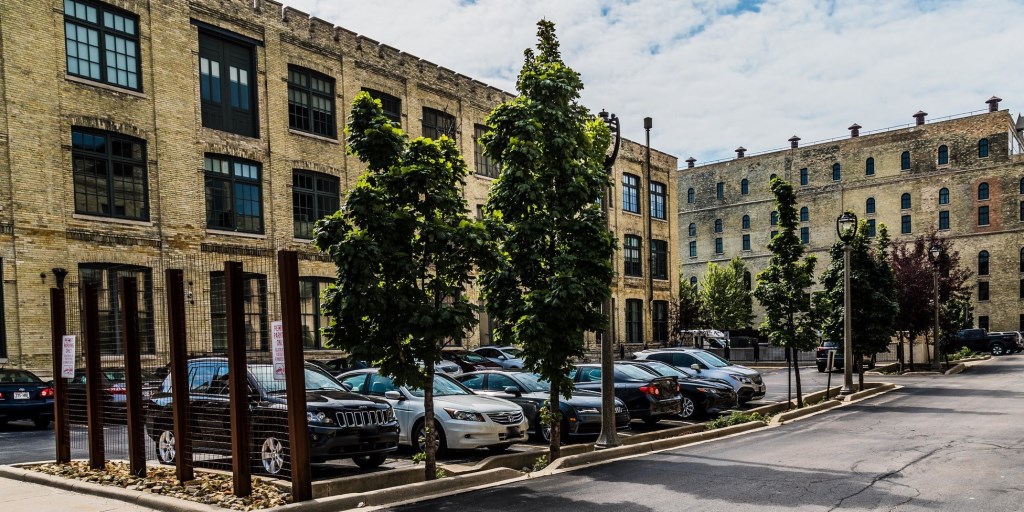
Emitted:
<point x="821" y="368"/>
<point x="370" y="461"/>
<point x="687" y="409"/>
<point x="271" y="455"/>
<point x="41" y="423"/>
<point x="420" y="436"/>
<point x="545" y="432"/>
<point x="165" y="447"/>
<point x="651" y="421"/>
<point x="500" y="448"/>
<point x="998" y="349"/>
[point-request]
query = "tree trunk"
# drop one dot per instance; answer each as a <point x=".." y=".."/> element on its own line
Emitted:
<point x="860" y="371"/>
<point x="554" y="413"/>
<point x="912" y="338"/>
<point x="430" y="448"/>
<point x="796" y="376"/>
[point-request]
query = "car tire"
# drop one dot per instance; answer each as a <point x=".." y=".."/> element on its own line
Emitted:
<point x="370" y="461"/>
<point x="41" y="423"/>
<point x="821" y="368"/>
<point x="500" y="448"/>
<point x="687" y="408"/>
<point x="271" y="454"/>
<point x="419" y="434"/>
<point x="165" y="449"/>
<point x="997" y="349"/>
<point x="545" y="432"/>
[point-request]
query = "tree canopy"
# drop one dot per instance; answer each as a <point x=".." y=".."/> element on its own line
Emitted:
<point x="725" y="300"/>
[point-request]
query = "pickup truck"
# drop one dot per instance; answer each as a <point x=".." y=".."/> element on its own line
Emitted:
<point x="979" y="340"/>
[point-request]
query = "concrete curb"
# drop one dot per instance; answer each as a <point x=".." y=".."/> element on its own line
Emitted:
<point x="782" y="418"/>
<point x="959" y="368"/>
<point x="874" y="390"/>
<point x="878" y="370"/>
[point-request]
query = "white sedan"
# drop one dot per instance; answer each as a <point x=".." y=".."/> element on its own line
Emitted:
<point x="464" y="420"/>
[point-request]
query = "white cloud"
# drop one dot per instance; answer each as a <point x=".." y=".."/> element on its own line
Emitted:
<point x="717" y="74"/>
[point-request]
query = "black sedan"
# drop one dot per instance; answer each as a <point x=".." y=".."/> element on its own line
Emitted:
<point x="647" y="397"/>
<point x="342" y="424"/>
<point x="581" y="414"/>
<point x="23" y="396"/>
<point x="700" y="397"/>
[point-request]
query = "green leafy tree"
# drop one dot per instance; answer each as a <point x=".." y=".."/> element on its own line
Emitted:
<point x="725" y="300"/>
<point x="874" y="302"/>
<point x="782" y="287"/>
<point x="688" y="311"/>
<point x="553" y="266"/>
<point x="405" y="251"/>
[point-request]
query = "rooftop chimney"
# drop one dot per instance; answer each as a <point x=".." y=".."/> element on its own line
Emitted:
<point x="690" y="161"/>
<point x="854" y="130"/>
<point x="993" y="103"/>
<point x="920" y="117"/>
<point x="794" y="142"/>
<point x="739" y="151"/>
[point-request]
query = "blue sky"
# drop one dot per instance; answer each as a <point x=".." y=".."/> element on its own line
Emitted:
<point x="717" y="74"/>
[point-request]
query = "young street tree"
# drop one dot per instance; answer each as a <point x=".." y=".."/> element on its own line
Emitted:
<point x="782" y="287"/>
<point x="688" y="311"/>
<point x="405" y="251"/>
<point x="553" y="264"/>
<point x="725" y="300"/>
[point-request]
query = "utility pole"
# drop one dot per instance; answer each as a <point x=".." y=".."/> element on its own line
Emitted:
<point x="609" y="437"/>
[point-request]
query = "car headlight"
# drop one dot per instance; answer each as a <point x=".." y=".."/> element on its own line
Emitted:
<point x="711" y="391"/>
<point x="588" y="410"/>
<point x="319" y="418"/>
<point x="464" y="415"/>
<point x="741" y="378"/>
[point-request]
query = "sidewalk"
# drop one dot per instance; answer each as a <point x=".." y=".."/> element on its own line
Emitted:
<point x="28" y="497"/>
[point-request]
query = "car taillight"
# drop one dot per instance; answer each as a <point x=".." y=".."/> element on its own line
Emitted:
<point x="650" y="390"/>
<point x="116" y="390"/>
<point x="1" y="396"/>
<point x="679" y="388"/>
<point x="46" y="393"/>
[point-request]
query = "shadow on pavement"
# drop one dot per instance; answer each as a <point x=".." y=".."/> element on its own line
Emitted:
<point x="874" y="409"/>
<point x="521" y="499"/>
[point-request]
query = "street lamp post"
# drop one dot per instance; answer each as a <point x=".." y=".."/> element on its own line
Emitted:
<point x="846" y="228"/>
<point x="935" y="251"/>
<point x="609" y="438"/>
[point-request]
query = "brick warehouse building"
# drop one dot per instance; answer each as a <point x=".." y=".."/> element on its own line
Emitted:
<point x="962" y="175"/>
<point x="139" y="135"/>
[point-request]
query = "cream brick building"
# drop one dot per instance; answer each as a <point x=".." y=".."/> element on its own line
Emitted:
<point x="962" y="176"/>
<point x="139" y="135"/>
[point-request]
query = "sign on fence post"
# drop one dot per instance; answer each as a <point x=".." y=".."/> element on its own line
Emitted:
<point x="67" y="356"/>
<point x="277" y="348"/>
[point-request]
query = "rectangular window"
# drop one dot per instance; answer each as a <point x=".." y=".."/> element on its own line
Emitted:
<point x="982" y="290"/>
<point x="437" y="123"/>
<point x="105" y="277"/>
<point x="227" y="86"/>
<point x="3" y="318"/>
<point x="311" y="102"/>
<point x="720" y="190"/>
<point x="102" y="43"/>
<point x="944" y="219"/>
<point x="313" y="319"/>
<point x="871" y="228"/>
<point x="109" y="174"/>
<point x="630" y="193"/>
<point x="983" y="322"/>
<point x="391" y="105"/>
<point x="659" y="259"/>
<point x="484" y="165"/>
<point x="746" y="242"/>
<point x="631" y="253"/>
<point x="1021" y="288"/>
<point x="314" y="196"/>
<point x="657" y="200"/>
<point x="634" y="321"/>
<point x="693" y="248"/>
<point x="254" y="293"/>
<point x="659" y="312"/>
<point x="804" y="178"/>
<point x="983" y="215"/>
<point x="718" y="246"/>
<point x="234" y="194"/>
<point x="805" y="235"/>
<point x="905" y="226"/>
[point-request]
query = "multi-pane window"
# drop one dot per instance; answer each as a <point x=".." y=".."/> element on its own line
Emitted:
<point x="254" y="298"/>
<point x="630" y="193"/>
<point x="234" y="194"/>
<point x="983" y="148"/>
<point x="871" y="228"/>
<point x="744" y="186"/>
<point x="659" y="259"/>
<point x="905" y="201"/>
<point x="983" y="322"/>
<point x="837" y="172"/>
<point x="227" y="85"/>
<point x="869" y="166"/>
<point x="313" y="319"/>
<point x="718" y="226"/>
<point x="657" y="200"/>
<point x="983" y="263"/>
<point x="104" y="276"/>
<point x="691" y="230"/>
<point x="804" y="176"/>
<point x="634" y="321"/>
<point x="774" y="218"/>
<point x="693" y="248"/>
<point x="314" y="196"/>
<point x="905" y="225"/>
<point x="633" y="265"/>
<point x="483" y="163"/>
<point x="437" y="123"/>
<point x="982" y="191"/>
<point x="944" y="195"/>
<point x="869" y="205"/>
<point x="311" y="102"/>
<point x="720" y="190"/>
<point x="983" y="216"/>
<point x="102" y="43"/>
<point x="690" y="196"/>
<point x="659" y="322"/>
<point x="805" y="214"/>
<point x="943" y="154"/>
<point x="905" y="161"/>
<point x="746" y="242"/>
<point x="745" y="222"/>
<point x="805" y="235"/>
<point x="110" y="175"/>
<point x="982" y="290"/>
<point x="943" y="219"/>
<point x="391" y="105"/>
<point x="718" y="246"/>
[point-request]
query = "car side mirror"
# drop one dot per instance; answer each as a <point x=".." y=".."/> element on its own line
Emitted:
<point x="512" y="390"/>
<point x="393" y="395"/>
<point x="502" y="357"/>
<point x="347" y="386"/>
<point x="695" y="367"/>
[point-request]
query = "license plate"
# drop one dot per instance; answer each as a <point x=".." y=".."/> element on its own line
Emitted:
<point x="513" y="432"/>
<point x="21" y="395"/>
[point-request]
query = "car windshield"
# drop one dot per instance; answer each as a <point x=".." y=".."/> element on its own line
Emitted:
<point x="471" y="357"/>
<point x="711" y="359"/>
<point x="632" y="372"/>
<point x="316" y="379"/>
<point x="17" y="377"/>
<point x="443" y="386"/>
<point x="512" y="352"/>
<point x="666" y="369"/>
<point x="533" y="382"/>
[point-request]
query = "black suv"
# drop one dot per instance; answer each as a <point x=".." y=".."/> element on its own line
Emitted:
<point x="342" y="424"/>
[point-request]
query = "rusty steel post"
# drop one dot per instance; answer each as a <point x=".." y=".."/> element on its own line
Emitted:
<point x="174" y="280"/>
<point x="129" y="297"/>
<point x="93" y="391"/>
<point x="295" y="375"/>
<point x="238" y="372"/>
<point x="58" y="328"/>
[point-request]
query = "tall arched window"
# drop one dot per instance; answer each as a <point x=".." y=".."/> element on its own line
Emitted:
<point x="805" y="214"/>
<point x="1022" y="259"/>
<point x="982" y="191"/>
<point x="692" y="230"/>
<point x="905" y="161"/>
<point x="772" y="177"/>
<point x="693" y="280"/>
<point x="905" y="201"/>
<point x="1022" y="185"/>
<point x="836" y="172"/>
<point x="943" y="155"/>
<point x="744" y="186"/>
<point x="718" y="225"/>
<point x="746" y="222"/>
<point x="983" y="148"/>
<point x="869" y="205"/>
<point x="983" y="263"/>
<point x="869" y="166"/>
<point x="689" y="196"/>
<point x="944" y="195"/>
<point x="775" y="218"/>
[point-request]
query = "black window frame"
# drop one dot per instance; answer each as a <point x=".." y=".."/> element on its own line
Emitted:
<point x="693" y="248"/>
<point x="872" y="232"/>
<point x="906" y="225"/>
<point x="805" y="214"/>
<point x="906" y="201"/>
<point x="100" y="26"/>
<point x="869" y="206"/>
<point x="943" y="156"/>
<point x="659" y="259"/>
<point x="805" y="177"/>
<point x="312" y="320"/>
<point x="391" y="105"/>
<point x="719" y="226"/>
<point x="691" y="196"/>
<point x="805" y="235"/>
<point x="984" y="292"/>
<point x="943" y="196"/>
<point x="322" y="200"/>
<point x="744" y="186"/>
<point x="634" y="321"/>
<point x="745" y="222"/>
<point x="657" y="197"/>
<point x="659" y="321"/>
<point x="719" y="247"/>
<point x="218" y="111"/>
<point x="773" y="218"/>
<point x="837" y="172"/>
<point x="869" y="166"/>
<point x="326" y="124"/>
<point x="211" y="177"/>
<point x="905" y="161"/>
<point x="483" y="164"/>
<point x="984" y="215"/>
<point x="691" y="230"/>
<point x="943" y="219"/>
<point x="983" y="148"/>
<point x="720" y="190"/>
<point x="983" y="322"/>
<point x="984" y="191"/>
<point x="632" y="262"/>
<point x="110" y="162"/>
<point x="746" y="241"/>
<point x="984" y="261"/>
<point x="256" y="307"/>
<point x="105" y="276"/>
<point x="630" y="193"/>
<point x="433" y="124"/>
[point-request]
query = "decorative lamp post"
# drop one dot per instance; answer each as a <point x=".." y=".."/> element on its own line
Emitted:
<point x="936" y="253"/>
<point x="608" y="438"/>
<point x="846" y="228"/>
